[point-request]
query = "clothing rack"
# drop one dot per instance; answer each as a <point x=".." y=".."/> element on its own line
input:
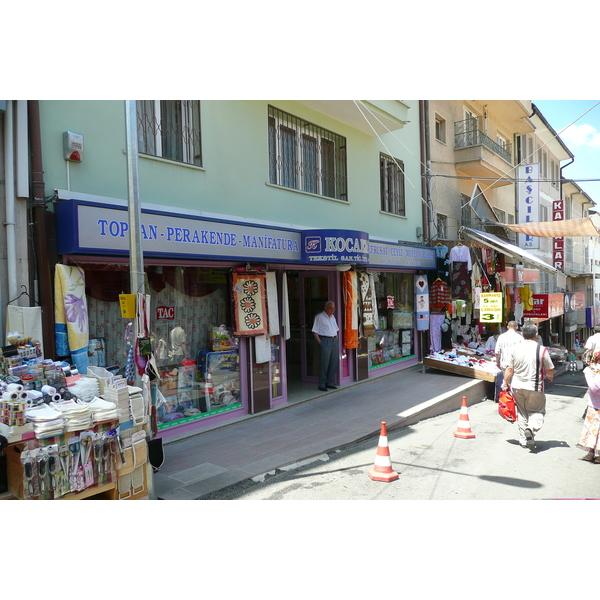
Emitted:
<point x="25" y="293"/>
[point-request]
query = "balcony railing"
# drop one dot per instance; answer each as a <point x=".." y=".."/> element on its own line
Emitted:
<point x="466" y="134"/>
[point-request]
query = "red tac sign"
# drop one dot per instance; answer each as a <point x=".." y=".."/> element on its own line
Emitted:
<point x="165" y="312"/>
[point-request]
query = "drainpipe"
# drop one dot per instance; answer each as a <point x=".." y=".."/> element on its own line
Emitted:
<point x="40" y="229"/>
<point x="9" y="196"/>
<point x="425" y="166"/>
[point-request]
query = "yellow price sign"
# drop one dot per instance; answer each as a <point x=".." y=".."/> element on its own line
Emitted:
<point x="490" y="307"/>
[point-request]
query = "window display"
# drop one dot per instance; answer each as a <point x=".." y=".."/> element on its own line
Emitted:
<point x="393" y="340"/>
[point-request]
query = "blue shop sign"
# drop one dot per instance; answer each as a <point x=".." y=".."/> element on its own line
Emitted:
<point x="327" y="246"/>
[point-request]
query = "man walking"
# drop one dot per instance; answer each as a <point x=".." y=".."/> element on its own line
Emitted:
<point x="325" y="329"/>
<point x="504" y="345"/>
<point x="592" y="346"/>
<point x="526" y="367"/>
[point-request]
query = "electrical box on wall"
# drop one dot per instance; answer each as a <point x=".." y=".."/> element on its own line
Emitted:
<point x="73" y="146"/>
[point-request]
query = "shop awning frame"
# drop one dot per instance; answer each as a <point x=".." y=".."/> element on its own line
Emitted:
<point x="550" y="229"/>
<point x="502" y="246"/>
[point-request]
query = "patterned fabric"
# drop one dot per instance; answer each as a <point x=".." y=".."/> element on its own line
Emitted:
<point x="435" y="325"/>
<point x="439" y="295"/>
<point x="589" y="439"/>
<point x="461" y="281"/>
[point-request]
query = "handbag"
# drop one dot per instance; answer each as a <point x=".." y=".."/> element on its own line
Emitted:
<point x="506" y="406"/>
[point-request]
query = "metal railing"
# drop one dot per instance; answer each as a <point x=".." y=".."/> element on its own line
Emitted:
<point x="466" y="134"/>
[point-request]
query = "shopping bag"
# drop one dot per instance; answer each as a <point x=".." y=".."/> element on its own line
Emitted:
<point x="506" y="406"/>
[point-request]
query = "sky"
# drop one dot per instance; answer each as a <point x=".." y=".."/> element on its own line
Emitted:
<point x="580" y="132"/>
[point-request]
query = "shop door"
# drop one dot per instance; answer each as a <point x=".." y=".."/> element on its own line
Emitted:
<point x="314" y="288"/>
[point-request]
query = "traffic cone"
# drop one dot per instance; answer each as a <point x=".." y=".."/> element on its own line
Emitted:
<point x="382" y="470"/>
<point x="464" y="427"/>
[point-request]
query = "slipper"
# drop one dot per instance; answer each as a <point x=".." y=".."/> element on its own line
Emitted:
<point x="589" y="457"/>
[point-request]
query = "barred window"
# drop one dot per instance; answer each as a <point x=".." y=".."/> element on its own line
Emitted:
<point x="170" y="129"/>
<point x="392" y="185"/>
<point x="306" y="157"/>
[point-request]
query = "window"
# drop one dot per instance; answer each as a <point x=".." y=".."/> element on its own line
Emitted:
<point x="170" y="129"/>
<point x="442" y="227"/>
<point x="392" y="185"/>
<point x="502" y="141"/>
<point x="303" y="156"/>
<point x="440" y="129"/>
<point x="501" y="215"/>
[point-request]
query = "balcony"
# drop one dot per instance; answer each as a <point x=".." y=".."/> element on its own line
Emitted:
<point x="477" y="155"/>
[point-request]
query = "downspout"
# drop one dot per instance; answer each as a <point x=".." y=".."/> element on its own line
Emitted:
<point x="425" y="167"/>
<point x="41" y="237"/>
<point x="10" y="200"/>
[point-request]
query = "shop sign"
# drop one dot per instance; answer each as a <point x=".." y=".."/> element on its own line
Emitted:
<point x="592" y="316"/>
<point x="322" y="246"/>
<point x="520" y="275"/>
<point x="165" y="312"/>
<point x="528" y="193"/>
<point x="401" y="256"/>
<point x="490" y="310"/>
<point x="545" y="306"/>
<point x="85" y="227"/>
<point x="558" y="245"/>
<point x="574" y="301"/>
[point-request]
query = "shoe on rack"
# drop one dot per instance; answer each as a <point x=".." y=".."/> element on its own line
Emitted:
<point x="589" y="457"/>
<point x="332" y="387"/>
<point x="322" y="389"/>
<point x="529" y="437"/>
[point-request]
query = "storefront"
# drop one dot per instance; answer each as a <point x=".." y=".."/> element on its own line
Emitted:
<point x="232" y="306"/>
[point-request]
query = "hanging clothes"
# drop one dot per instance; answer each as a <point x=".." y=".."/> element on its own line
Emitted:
<point x="442" y="261"/>
<point x="435" y="327"/>
<point x="461" y="253"/>
<point x="439" y="295"/>
<point x="350" y="281"/>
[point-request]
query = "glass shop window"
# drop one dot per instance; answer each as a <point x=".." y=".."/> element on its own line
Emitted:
<point x="393" y="340"/>
<point x="191" y="334"/>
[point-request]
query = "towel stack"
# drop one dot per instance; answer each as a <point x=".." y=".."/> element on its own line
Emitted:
<point x="136" y="403"/>
<point x="77" y="414"/>
<point x="47" y="421"/>
<point x="103" y="410"/>
<point x="120" y="397"/>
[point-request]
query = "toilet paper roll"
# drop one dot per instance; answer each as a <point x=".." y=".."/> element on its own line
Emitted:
<point x="14" y="387"/>
<point x="10" y="396"/>
<point x="56" y="397"/>
<point x="49" y="390"/>
<point x="34" y="394"/>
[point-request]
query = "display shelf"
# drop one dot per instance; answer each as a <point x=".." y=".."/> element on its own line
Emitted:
<point x="459" y="369"/>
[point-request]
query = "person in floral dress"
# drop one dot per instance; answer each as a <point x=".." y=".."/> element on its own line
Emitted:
<point x="590" y="435"/>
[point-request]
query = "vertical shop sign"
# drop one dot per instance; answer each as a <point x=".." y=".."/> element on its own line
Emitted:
<point x="422" y="302"/>
<point x="558" y="247"/>
<point x="528" y="192"/>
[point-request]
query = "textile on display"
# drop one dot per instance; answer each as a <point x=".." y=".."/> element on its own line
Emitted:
<point x="250" y="306"/>
<point x="27" y="320"/>
<point x="435" y="326"/>
<point x="439" y="296"/>
<point x="422" y="302"/>
<point x="285" y="309"/>
<point x="351" y="309"/>
<point x="368" y="305"/>
<point x="71" y="315"/>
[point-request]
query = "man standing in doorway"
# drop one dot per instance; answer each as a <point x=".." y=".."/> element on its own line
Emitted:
<point x="325" y="330"/>
<point x="527" y="365"/>
<point x="504" y="346"/>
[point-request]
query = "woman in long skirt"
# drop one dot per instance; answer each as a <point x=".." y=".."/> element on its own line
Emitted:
<point x="590" y="436"/>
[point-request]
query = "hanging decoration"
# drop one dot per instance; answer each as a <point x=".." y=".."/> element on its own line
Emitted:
<point x="250" y="309"/>
<point x="351" y="313"/>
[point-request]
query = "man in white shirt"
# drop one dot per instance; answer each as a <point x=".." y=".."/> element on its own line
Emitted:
<point x="592" y="345"/>
<point x="527" y="366"/>
<point x="325" y="330"/>
<point x="504" y="345"/>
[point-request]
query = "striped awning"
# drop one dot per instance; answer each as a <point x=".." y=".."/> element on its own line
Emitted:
<point x="514" y="252"/>
<point x="551" y="229"/>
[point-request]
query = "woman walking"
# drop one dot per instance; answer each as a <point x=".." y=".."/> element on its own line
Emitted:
<point x="590" y="436"/>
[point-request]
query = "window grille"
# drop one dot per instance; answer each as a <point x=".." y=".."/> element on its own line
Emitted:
<point x="170" y="129"/>
<point x="304" y="156"/>
<point x="392" y="185"/>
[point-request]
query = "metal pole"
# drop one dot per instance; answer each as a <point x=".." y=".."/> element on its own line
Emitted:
<point x="136" y="256"/>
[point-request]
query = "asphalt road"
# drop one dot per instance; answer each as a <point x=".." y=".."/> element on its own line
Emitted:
<point x="433" y="464"/>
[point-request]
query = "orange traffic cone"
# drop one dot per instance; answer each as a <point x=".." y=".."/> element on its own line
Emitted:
<point x="464" y="427"/>
<point x="382" y="470"/>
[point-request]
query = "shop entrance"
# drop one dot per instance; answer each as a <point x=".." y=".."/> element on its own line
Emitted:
<point x="307" y="292"/>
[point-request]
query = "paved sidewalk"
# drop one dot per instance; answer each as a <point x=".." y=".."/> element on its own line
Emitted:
<point x="303" y="432"/>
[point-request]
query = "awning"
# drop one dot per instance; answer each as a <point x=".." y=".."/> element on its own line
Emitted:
<point x="514" y="252"/>
<point x="570" y="227"/>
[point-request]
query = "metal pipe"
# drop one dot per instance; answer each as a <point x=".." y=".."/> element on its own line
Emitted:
<point x="10" y="199"/>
